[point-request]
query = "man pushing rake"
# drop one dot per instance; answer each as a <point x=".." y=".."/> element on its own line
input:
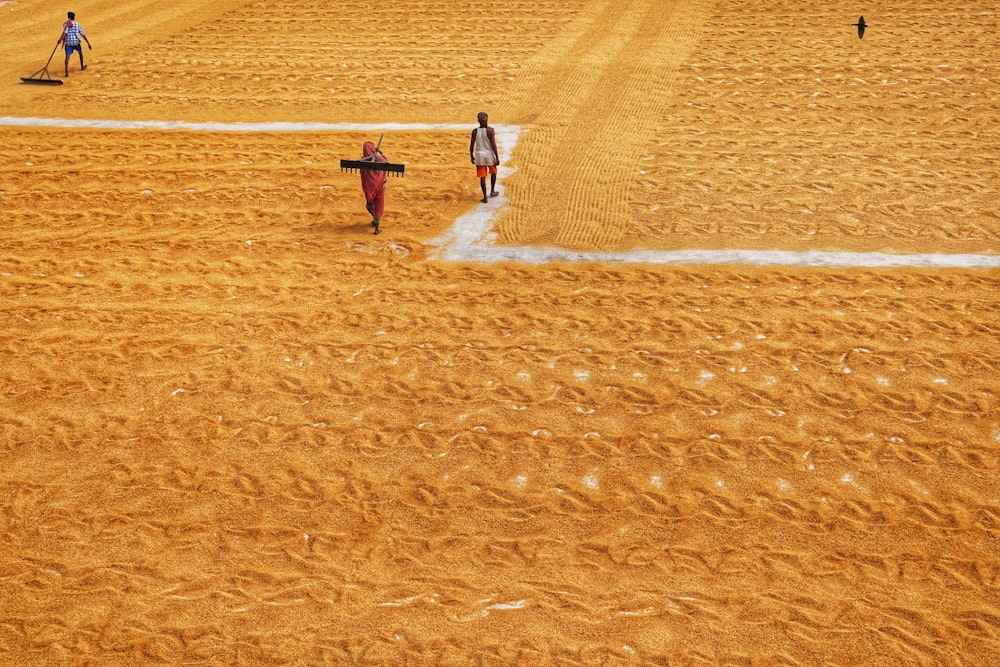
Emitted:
<point x="72" y="32"/>
<point x="70" y="38"/>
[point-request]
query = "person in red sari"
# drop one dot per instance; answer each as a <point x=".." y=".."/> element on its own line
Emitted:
<point x="373" y="184"/>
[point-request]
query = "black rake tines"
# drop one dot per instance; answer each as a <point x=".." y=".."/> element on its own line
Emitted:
<point x="358" y="165"/>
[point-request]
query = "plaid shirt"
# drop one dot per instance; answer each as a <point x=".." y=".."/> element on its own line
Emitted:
<point x="72" y="31"/>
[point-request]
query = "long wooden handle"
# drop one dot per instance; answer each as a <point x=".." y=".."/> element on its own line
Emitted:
<point x="51" y="54"/>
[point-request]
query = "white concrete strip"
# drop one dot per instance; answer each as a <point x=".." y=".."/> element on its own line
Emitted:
<point x="471" y="238"/>
<point x="486" y="254"/>
<point x="228" y="127"/>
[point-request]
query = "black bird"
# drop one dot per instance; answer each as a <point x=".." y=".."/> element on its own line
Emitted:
<point x="861" y="26"/>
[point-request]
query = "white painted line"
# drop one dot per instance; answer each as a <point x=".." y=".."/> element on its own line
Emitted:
<point x="486" y="254"/>
<point x="471" y="238"/>
<point x="227" y="127"/>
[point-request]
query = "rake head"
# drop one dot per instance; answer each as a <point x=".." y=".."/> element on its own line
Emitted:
<point x="45" y="80"/>
<point x="358" y="165"/>
<point x="42" y="76"/>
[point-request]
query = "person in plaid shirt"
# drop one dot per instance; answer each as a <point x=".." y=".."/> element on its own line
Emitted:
<point x="70" y="38"/>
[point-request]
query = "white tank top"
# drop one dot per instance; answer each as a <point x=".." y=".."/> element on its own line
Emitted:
<point x="484" y="151"/>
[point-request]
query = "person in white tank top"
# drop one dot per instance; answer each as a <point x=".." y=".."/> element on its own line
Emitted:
<point x="483" y="152"/>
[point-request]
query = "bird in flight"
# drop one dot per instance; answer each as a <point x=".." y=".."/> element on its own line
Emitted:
<point x="861" y="26"/>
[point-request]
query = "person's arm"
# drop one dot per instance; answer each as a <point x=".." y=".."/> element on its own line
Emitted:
<point x="472" y="147"/>
<point x="61" y="37"/>
<point x="493" y="142"/>
<point x="89" y="47"/>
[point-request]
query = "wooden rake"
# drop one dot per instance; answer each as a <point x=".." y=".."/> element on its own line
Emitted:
<point x="42" y="76"/>
<point x="370" y="164"/>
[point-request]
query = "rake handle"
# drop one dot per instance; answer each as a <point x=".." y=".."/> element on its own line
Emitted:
<point x="52" y="54"/>
<point x="375" y="154"/>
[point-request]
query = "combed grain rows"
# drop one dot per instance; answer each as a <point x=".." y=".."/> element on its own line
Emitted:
<point x="238" y="428"/>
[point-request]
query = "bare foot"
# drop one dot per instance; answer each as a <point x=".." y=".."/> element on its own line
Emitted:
<point x="377" y="230"/>
<point x="484" y="200"/>
<point x="83" y="68"/>
<point x="494" y="194"/>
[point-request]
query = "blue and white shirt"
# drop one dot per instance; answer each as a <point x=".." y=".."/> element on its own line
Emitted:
<point x="72" y="31"/>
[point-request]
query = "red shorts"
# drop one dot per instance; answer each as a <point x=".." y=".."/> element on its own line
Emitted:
<point x="482" y="170"/>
